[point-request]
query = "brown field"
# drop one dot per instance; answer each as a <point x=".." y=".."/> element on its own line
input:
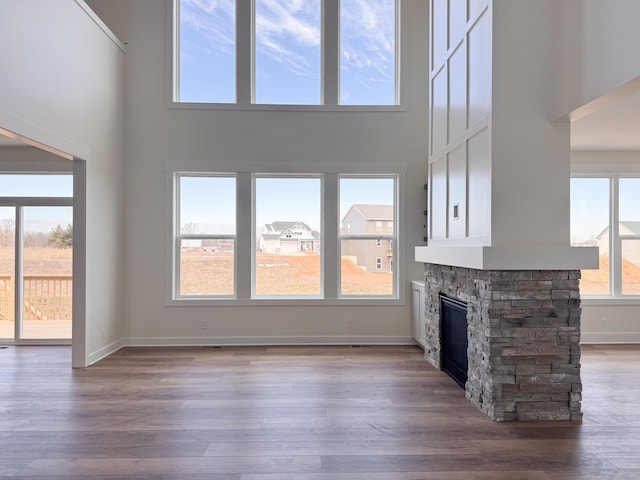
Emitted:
<point x="596" y="282"/>
<point x="212" y="273"/>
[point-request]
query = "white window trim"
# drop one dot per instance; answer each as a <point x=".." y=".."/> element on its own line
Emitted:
<point x="178" y="236"/>
<point x="330" y="81"/>
<point x="615" y="241"/>
<point x="330" y="234"/>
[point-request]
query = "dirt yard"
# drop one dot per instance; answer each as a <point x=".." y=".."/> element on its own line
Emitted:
<point x="212" y="273"/>
<point x="207" y="273"/>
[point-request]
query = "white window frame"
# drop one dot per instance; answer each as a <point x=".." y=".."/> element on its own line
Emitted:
<point x="378" y="243"/>
<point x="178" y="237"/>
<point x="615" y="243"/>
<point x="245" y="63"/>
<point x="330" y="234"/>
<point x="393" y="238"/>
<point x="254" y="237"/>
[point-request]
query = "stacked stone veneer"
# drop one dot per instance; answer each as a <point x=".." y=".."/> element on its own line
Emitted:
<point x="523" y="334"/>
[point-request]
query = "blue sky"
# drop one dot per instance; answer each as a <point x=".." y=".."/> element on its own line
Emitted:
<point x="211" y="201"/>
<point x="590" y="205"/>
<point x="288" y="51"/>
<point x="38" y="219"/>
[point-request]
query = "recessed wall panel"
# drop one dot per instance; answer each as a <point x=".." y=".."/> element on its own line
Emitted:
<point x="475" y="7"/>
<point x="457" y="94"/>
<point x="458" y="192"/>
<point x="439" y="198"/>
<point x="439" y="32"/>
<point x="479" y="69"/>
<point x="479" y="166"/>
<point x="439" y="113"/>
<point x="457" y="21"/>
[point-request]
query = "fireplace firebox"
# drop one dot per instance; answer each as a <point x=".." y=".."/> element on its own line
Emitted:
<point x="453" y="319"/>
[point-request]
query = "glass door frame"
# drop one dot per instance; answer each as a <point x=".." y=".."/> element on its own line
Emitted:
<point x="19" y="203"/>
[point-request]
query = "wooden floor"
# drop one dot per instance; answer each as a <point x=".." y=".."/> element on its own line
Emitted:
<point x="314" y="413"/>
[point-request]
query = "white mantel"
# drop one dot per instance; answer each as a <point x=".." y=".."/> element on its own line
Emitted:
<point x="511" y="258"/>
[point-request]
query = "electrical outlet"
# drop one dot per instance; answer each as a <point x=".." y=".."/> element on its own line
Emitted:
<point x="102" y="334"/>
<point x="603" y="323"/>
<point x="348" y="323"/>
<point x="203" y="325"/>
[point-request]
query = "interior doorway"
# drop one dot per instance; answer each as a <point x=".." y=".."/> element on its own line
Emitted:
<point x="36" y="257"/>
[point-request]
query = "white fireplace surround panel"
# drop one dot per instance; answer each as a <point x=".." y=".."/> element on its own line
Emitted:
<point x="511" y="258"/>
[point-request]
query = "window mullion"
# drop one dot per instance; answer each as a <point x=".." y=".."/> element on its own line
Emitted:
<point x="330" y="240"/>
<point x="245" y="28"/>
<point x="615" y="244"/>
<point x="245" y="251"/>
<point x="330" y="51"/>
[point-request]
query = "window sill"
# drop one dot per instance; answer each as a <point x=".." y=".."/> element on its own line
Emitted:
<point x="608" y="301"/>
<point x="286" y="108"/>
<point x="288" y="302"/>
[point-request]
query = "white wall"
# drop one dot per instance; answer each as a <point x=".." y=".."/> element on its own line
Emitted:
<point x="157" y="135"/>
<point x="596" y="49"/>
<point x="61" y="85"/>
<point x="493" y="151"/>
<point x="460" y="147"/>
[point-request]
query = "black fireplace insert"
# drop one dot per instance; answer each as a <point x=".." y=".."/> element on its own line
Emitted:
<point x="453" y="317"/>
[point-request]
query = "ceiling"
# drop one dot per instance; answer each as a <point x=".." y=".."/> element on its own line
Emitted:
<point x="613" y="126"/>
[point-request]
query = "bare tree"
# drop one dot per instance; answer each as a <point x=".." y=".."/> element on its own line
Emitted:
<point x="189" y="228"/>
<point x="7" y="232"/>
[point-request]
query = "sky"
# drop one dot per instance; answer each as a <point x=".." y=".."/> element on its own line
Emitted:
<point x="209" y="202"/>
<point x="37" y="219"/>
<point x="590" y="205"/>
<point x="288" y="51"/>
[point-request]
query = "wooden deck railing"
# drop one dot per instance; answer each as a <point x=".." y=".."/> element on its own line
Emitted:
<point x="46" y="297"/>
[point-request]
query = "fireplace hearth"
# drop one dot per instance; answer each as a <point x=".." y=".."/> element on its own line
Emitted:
<point x="524" y="338"/>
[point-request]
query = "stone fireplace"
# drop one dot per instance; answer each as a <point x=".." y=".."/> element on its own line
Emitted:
<point x="523" y="338"/>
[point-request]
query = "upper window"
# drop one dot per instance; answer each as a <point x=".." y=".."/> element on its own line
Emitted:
<point x="278" y="52"/>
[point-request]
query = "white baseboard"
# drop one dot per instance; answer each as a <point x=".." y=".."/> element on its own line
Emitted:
<point x="106" y="351"/>
<point x="609" y="337"/>
<point x="266" y="341"/>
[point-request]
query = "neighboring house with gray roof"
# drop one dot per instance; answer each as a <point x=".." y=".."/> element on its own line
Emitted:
<point x="630" y="249"/>
<point x="288" y="238"/>
<point x="375" y="255"/>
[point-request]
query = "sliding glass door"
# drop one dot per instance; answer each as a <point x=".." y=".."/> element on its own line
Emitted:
<point x="36" y="256"/>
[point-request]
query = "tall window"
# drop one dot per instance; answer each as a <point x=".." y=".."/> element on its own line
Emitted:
<point x="604" y="213"/>
<point x="590" y="228"/>
<point x="629" y="232"/>
<point x="207" y="52"/>
<point x="288" y="246"/>
<point x="279" y="52"/>
<point x="368" y="52"/>
<point x="246" y="236"/>
<point x="287" y="52"/>
<point x="365" y="203"/>
<point x="205" y="237"/>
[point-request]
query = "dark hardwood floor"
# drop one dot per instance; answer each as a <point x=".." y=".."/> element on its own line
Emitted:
<point x="308" y="413"/>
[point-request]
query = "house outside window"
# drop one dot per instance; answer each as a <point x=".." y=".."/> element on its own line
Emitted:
<point x="604" y="213"/>
<point x="243" y="237"/>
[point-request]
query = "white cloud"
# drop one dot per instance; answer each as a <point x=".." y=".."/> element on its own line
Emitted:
<point x="285" y="28"/>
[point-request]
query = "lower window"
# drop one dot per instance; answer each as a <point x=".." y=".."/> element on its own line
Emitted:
<point x="284" y="217"/>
